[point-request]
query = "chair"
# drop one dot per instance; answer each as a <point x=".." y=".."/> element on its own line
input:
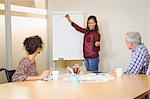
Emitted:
<point x="9" y="74"/>
<point x="148" y="70"/>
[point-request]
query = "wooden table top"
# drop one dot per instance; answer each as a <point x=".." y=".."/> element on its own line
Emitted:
<point x="127" y="87"/>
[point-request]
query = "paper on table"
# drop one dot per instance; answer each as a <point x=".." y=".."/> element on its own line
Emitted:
<point x="103" y="77"/>
<point x="92" y="77"/>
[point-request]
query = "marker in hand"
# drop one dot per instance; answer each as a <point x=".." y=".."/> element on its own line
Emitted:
<point x="68" y="17"/>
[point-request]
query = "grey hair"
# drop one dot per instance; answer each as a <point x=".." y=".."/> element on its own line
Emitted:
<point x="134" y="37"/>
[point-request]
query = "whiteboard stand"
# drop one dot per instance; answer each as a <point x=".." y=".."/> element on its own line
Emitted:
<point x="83" y="66"/>
<point x="53" y="67"/>
<point x="54" y="64"/>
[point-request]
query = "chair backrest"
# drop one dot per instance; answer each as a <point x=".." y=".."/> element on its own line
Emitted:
<point x="9" y="74"/>
<point x="148" y="70"/>
<point x="3" y="78"/>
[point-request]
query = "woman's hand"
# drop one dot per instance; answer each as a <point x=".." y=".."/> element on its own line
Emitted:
<point x="45" y="74"/>
<point x="97" y="43"/>
<point x="68" y="18"/>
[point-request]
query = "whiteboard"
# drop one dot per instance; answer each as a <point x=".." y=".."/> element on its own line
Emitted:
<point x="67" y="42"/>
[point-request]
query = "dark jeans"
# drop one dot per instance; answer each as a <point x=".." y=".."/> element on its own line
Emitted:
<point x="92" y="64"/>
<point x="145" y="97"/>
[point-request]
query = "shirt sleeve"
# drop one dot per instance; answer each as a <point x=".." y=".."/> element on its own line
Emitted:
<point x="136" y="63"/>
<point x="21" y="72"/>
<point x="97" y="37"/>
<point x="78" y="28"/>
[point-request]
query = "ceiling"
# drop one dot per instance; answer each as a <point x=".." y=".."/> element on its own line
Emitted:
<point x="42" y="3"/>
<point x="28" y="3"/>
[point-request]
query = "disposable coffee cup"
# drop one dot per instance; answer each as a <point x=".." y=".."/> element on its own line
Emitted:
<point x="55" y="75"/>
<point x="119" y="72"/>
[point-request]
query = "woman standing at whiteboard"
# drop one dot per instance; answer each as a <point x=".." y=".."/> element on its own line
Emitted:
<point x="91" y="45"/>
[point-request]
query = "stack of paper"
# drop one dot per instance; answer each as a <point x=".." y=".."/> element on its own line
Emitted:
<point x="92" y="77"/>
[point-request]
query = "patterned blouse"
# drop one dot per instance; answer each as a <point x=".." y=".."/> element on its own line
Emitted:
<point x="26" y="68"/>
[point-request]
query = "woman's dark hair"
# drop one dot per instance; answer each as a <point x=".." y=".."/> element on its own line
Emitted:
<point x="96" y="26"/>
<point x="32" y="43"/>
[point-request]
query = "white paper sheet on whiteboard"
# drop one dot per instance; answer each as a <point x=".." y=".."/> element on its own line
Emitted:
<point x="67" y="42"/>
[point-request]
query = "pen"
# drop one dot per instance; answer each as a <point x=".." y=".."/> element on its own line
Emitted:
<point x="70" y="70"/>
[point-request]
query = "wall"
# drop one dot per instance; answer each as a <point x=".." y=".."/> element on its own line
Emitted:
<point x="25" y="22"/>
<point x="115" y="17"/>
<point x="2" y="49"/>
<point x="23" y="27"/>
<point x="2" y="42"/>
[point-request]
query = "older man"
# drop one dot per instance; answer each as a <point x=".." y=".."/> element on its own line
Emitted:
<point x="139" y="54"/>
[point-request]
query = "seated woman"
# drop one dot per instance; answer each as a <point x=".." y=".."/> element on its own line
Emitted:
<point x="27" y="66"/>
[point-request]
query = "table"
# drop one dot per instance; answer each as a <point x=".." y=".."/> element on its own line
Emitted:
<point x="127" y="87"/>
